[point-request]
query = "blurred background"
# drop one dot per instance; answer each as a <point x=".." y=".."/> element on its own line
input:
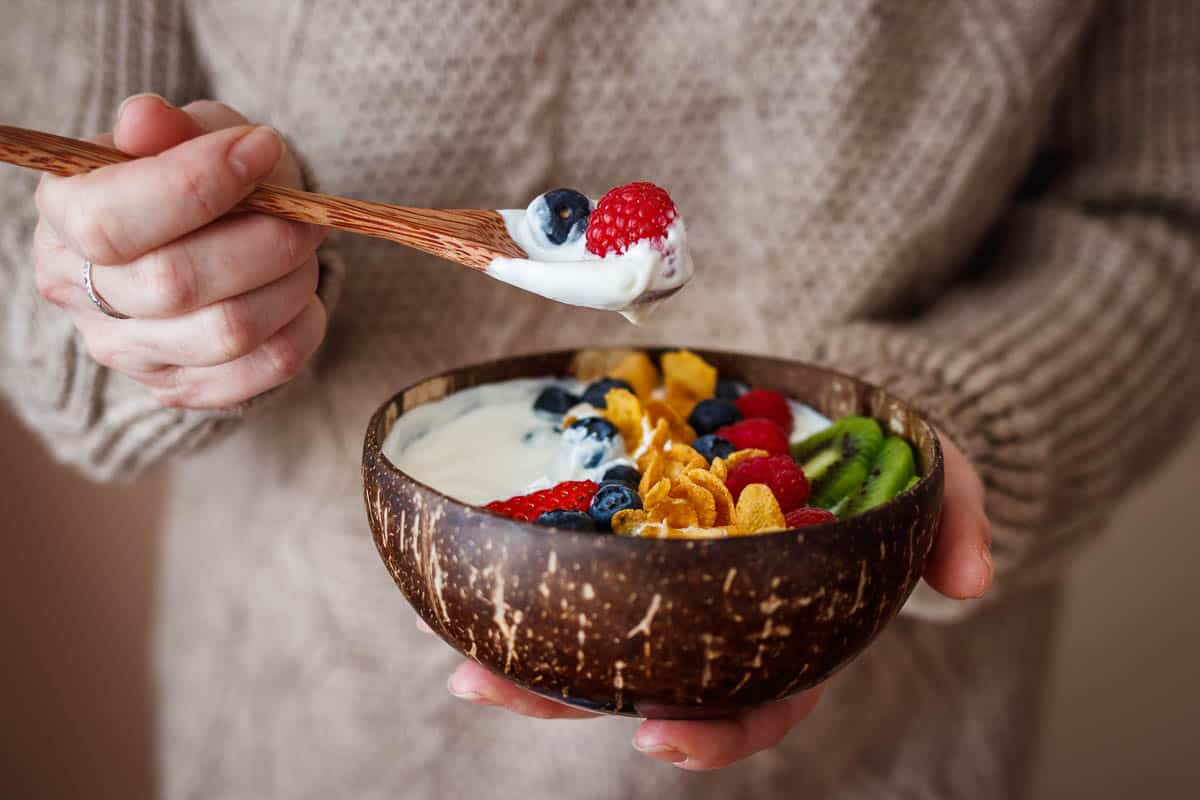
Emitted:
<point x="77" y="569"/>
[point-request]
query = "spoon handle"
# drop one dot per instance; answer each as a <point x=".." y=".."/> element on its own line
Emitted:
<point x="56" y="154"/>
<point x="471" y="237"/>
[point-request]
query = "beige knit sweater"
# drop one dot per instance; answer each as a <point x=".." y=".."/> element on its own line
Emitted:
<point x="992" y="206"/>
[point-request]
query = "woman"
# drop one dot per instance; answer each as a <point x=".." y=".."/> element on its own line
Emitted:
<point x="989" y="210"/>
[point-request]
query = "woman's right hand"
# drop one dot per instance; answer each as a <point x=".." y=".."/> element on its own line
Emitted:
<point x="222" y="308"/>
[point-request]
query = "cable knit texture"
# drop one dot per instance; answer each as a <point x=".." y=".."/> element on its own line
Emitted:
<point x="992" y="207"/>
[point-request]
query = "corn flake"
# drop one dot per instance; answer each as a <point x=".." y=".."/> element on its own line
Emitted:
<point x="590" y="365"/>
<point x="719" y="469"/>
<point x="623" y="410"/>
<point x="680" y="400"/>
<point x="684" y="369"/>
<point x="658" y="494"/>
<point x="638" y="371"/>
<point x="673" y="512"/>
<point x="654" y="471"/>
<point x="680" y="431"/>
<point x="696" y="496"/>
<point x="686" y="455"/>
<point x="721" y="497"/>
<point x="628" y="520"/>
<point x="758" y="511"/>
<point x="656" y="443"/>
<point x="741" y="455"/>
<point x="671" y="469"/>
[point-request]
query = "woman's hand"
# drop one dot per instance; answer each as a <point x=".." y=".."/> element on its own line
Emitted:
<point x="222" y="308"/>
<point x="959" y="567"/>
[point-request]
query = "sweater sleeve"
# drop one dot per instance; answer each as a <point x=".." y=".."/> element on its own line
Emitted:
<point x="1067" y="363"/>
<point x="76" y="62"/>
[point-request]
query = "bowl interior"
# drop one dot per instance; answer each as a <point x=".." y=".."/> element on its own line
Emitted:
<point x="832" y="393"/>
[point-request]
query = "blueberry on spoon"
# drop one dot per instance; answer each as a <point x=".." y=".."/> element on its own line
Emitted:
<point x="560" y="215"/>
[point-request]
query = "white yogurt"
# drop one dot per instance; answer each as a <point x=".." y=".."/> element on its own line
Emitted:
<point x="487" y="443"/>
<point x="806" y="421"/>
<point x="570" y="273"/>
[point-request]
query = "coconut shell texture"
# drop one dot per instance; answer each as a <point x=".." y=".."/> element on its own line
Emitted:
<point x="662" y="628"/>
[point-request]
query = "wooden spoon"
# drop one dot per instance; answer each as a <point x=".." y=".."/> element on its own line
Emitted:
<point x="467" y="236"/>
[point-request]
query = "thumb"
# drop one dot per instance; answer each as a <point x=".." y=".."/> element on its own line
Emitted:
<point x="147" y="125"/>
<point x="211" y="115"/>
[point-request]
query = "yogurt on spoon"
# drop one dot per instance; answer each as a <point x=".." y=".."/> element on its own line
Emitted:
<point x="624" y="253"/>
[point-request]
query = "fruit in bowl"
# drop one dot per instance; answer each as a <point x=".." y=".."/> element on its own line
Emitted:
<point x="684" y="558"/>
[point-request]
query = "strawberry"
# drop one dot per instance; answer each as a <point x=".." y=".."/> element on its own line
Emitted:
<point x="626" y="215"/>
<point x="765" y="404"/>
<point x="566" y="496"/>
<point x="808" y="515"/>
<point x="756" y="434"/>
<point x="781" y="475"/>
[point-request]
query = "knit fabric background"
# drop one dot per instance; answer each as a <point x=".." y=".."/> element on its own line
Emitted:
<point x="991" y="207"/>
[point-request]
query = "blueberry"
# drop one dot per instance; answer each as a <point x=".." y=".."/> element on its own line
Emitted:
<point x="561" y="215"/>
<point x="567" y="520"/>
<point x="729" y="389"/>
<point x="622" y="473"/>
<point x="595" y="428"/>
<point x="589" y="442"/>
<point x="555" y="400"/>
<point x="609" y="499"/>
<point x="596" y="392"/>
<point x="713" y="413"/>
<point x="712" y="446"/>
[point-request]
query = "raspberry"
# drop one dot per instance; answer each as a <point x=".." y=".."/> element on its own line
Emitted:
<point x="566" y="496"/>
<point x="781" y="475"/>
<point x="756" y="434"/>
<point x="764" y="404"/>
<point x="628" y="214"/>
<point x="808" y="515"/>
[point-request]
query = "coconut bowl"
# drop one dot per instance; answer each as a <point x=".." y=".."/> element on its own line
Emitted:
<point x="661" y="628"/>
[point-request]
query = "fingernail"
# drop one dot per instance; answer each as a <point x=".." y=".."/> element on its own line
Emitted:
<point x="470" y="695"/>
<point x="125" y="103"/>
<point x="985" y="555"/>
<point x="475" y="697"/>
<point x="660" y="752"/>
<point x="256" y="153"/>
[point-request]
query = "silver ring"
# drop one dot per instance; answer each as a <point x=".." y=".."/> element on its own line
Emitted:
<point x="98" y="301"/>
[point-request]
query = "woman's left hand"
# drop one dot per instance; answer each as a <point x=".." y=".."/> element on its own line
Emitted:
<point x="960" y="567"/>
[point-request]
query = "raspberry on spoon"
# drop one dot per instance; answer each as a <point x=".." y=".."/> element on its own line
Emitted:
<point x="628" y="214"/>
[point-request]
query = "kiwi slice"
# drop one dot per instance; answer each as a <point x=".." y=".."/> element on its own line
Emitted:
<point x="893" y="471"/>
<point x="836" y="460"/>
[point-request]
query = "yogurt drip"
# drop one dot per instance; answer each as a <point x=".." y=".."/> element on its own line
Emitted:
<point x="569" y="273"/>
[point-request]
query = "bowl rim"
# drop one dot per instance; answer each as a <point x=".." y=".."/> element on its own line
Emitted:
<point x="374" y="444"/>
